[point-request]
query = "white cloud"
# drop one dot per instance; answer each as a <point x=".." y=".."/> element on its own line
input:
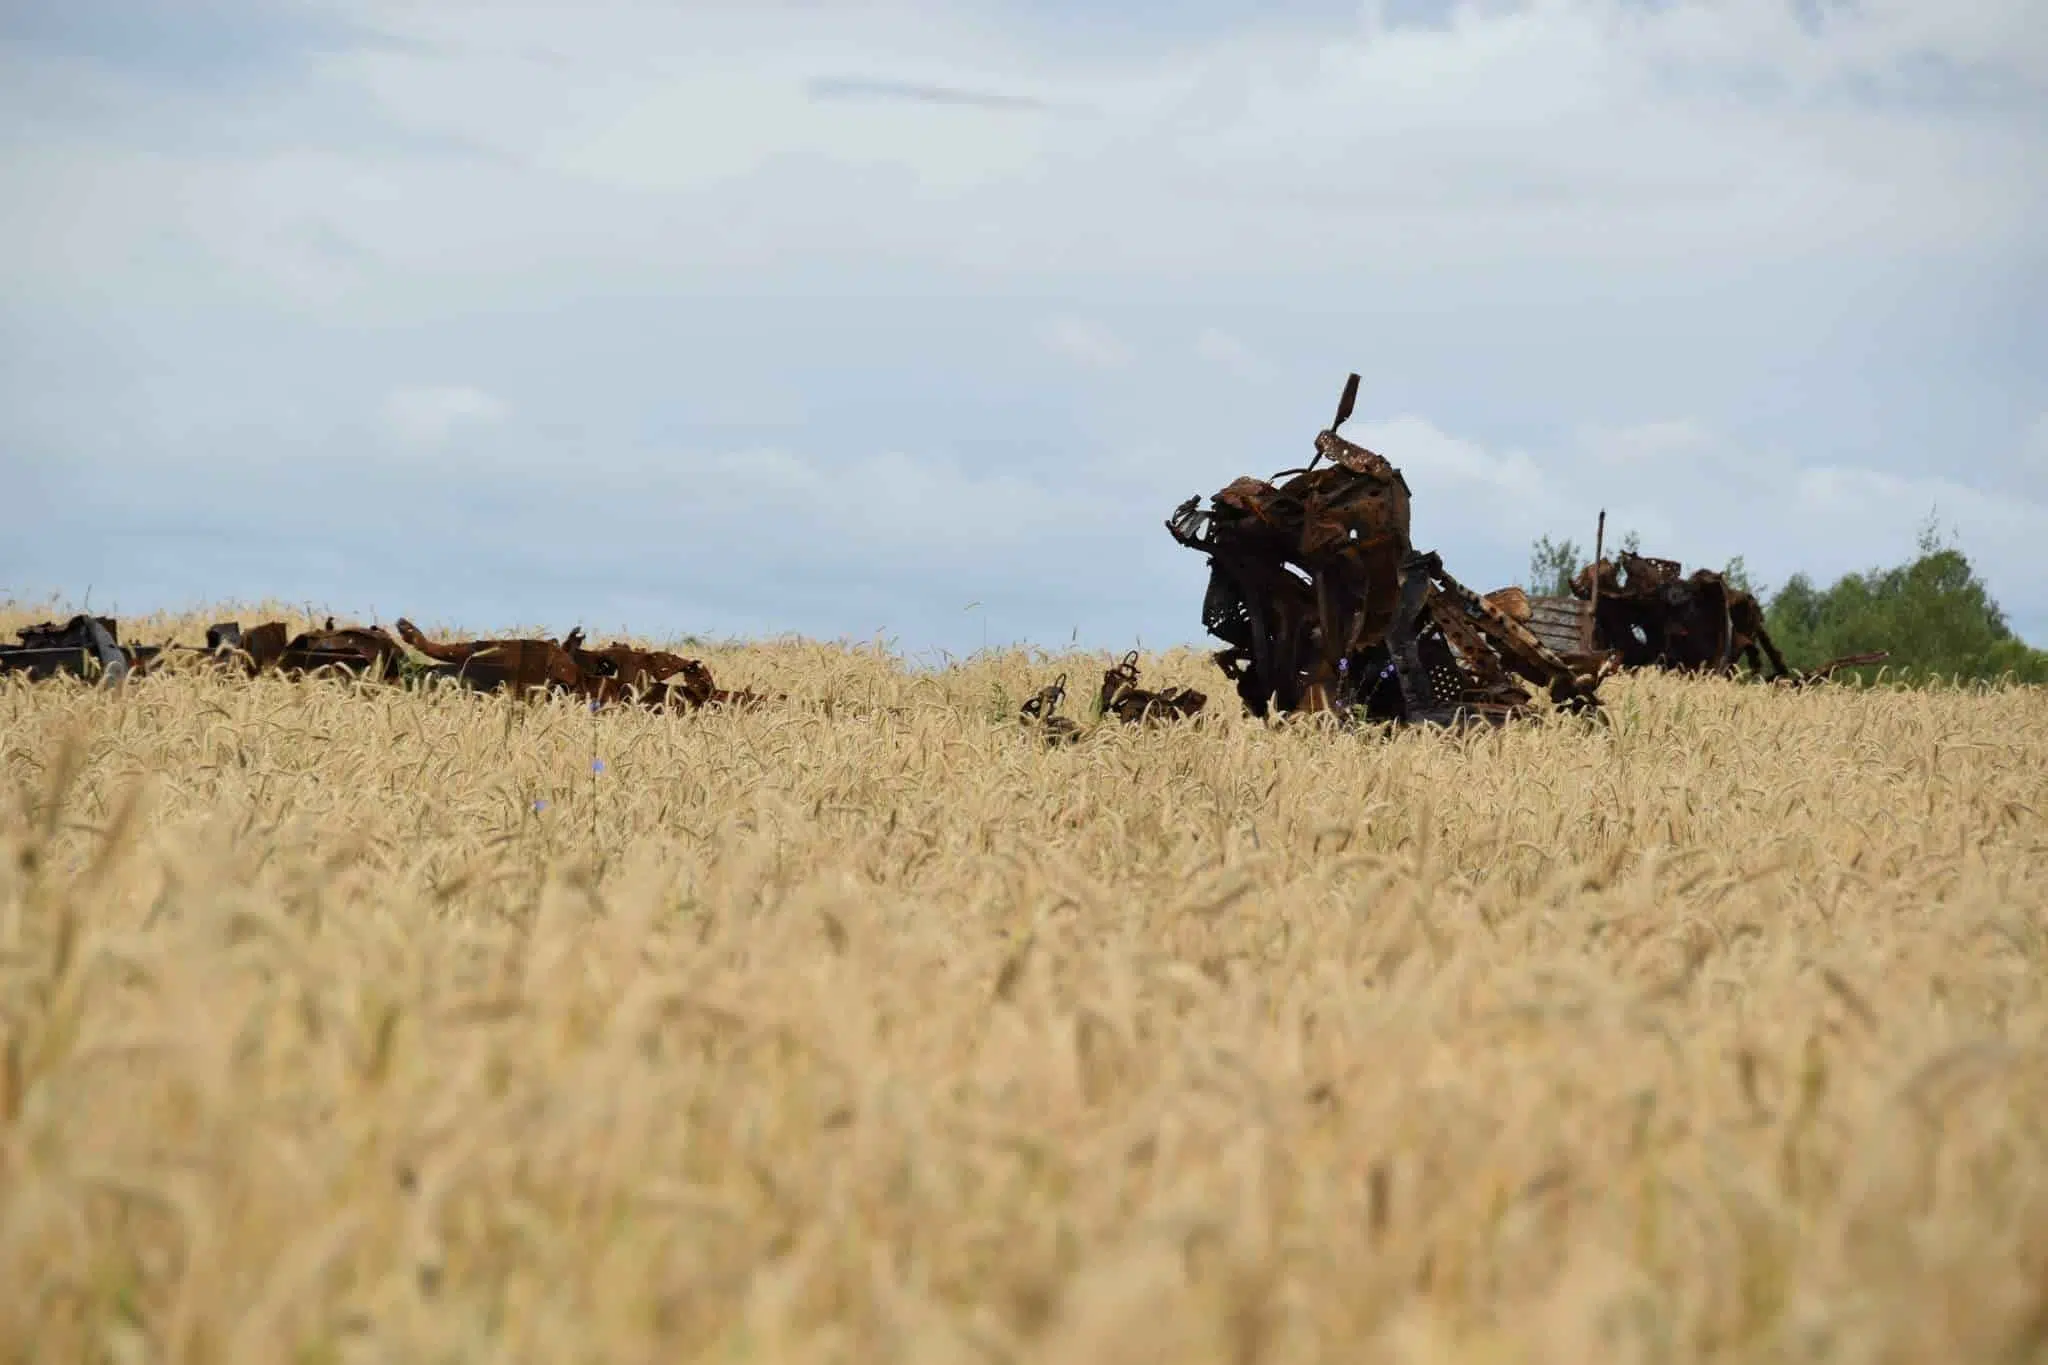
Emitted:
<point x="683" y="144"/>
<point x="928" y="506"/>
<point x="1221" y="348"/>
<point x="1085" y="343"/>
<point x="1652" y="441"/>
<point x="429" y="416"/>
<point x="1461" y="488"/>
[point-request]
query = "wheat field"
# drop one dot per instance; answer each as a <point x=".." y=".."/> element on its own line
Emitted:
<point x="350" y="1024"/>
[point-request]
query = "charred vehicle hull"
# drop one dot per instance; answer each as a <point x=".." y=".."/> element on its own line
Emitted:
<point x="1324" y="604"/>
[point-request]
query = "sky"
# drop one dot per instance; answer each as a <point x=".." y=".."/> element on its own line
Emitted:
<point x="912" y="320"/>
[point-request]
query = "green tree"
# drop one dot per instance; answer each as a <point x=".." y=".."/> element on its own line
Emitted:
<point x="1551" y="566"/>
<point x="1933" y="613"/>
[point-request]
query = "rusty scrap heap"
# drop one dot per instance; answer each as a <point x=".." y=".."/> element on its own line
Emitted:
<point x="89" y="647"/>
<point x="1643" y="612"/>
<point x="1650" y="613"/>
<point x="1326" y="605"/>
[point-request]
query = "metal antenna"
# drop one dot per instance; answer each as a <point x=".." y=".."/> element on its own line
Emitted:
<point x="1344" y="407"/>
<point x="1346" y="403"/>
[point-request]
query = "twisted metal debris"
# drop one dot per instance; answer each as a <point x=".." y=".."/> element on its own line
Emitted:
<point x="84" y="647"/>
<point x="1120" y="699"/>
<point x="1327" y="606"/>
<point x="1040" y="713"/>
<point x="89" y="647"/>
<point x="1637" y="611"/>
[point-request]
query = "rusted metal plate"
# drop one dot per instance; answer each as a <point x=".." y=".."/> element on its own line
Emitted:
<point x="1510" y="602"/>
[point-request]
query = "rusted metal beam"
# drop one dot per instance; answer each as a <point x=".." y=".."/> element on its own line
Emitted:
<point x="1599" y="553"/>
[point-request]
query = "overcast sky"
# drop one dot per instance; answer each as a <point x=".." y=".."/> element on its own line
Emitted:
<point x="835" y="318"/>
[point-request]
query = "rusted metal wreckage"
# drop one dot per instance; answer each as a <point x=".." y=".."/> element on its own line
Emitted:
<point x="1644" y="612"/>
<point x="613" y="673"/>
<point x="1652" y="614"/>
<point x="1119" y="699"/>
<point x="83" y="647"/>
<point x="89" y="647"/>
<point x="1122" y="698"/>
<point x="1327" y="606"/>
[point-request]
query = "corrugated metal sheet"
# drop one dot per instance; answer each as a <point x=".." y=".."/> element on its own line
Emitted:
<point x="1556" y="621"/>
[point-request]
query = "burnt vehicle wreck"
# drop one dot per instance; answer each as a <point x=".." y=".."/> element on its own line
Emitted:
<point x="1652" y="614"/>
<point x="83" y="647"/>
<point x="1644" y="612"/>
<point x="1326" y="605"/>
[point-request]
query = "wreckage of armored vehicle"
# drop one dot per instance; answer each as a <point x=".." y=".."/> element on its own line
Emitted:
<point x="1649" y="613"/>
<point x="1327" y="606"/>
<point x="83" y="647"/>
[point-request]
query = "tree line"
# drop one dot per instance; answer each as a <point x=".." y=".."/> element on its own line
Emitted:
<point x="1932" y="612"/>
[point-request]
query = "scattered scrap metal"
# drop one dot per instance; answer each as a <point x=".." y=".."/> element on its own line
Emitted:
<point x="1327" y="606"/>
<point x="1120" y="699"/>
<point x="360" y="651"/>
<point x="520" y="665"/>
<point x="654" y="678"/>
<point x="89" y="647"/>
<point x="1134" y="705"/>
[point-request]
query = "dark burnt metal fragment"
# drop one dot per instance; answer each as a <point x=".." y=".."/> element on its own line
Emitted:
<point x="1040" y="712"/>
<point x="1122" y="698"/>
<point x="84" y="647"/>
